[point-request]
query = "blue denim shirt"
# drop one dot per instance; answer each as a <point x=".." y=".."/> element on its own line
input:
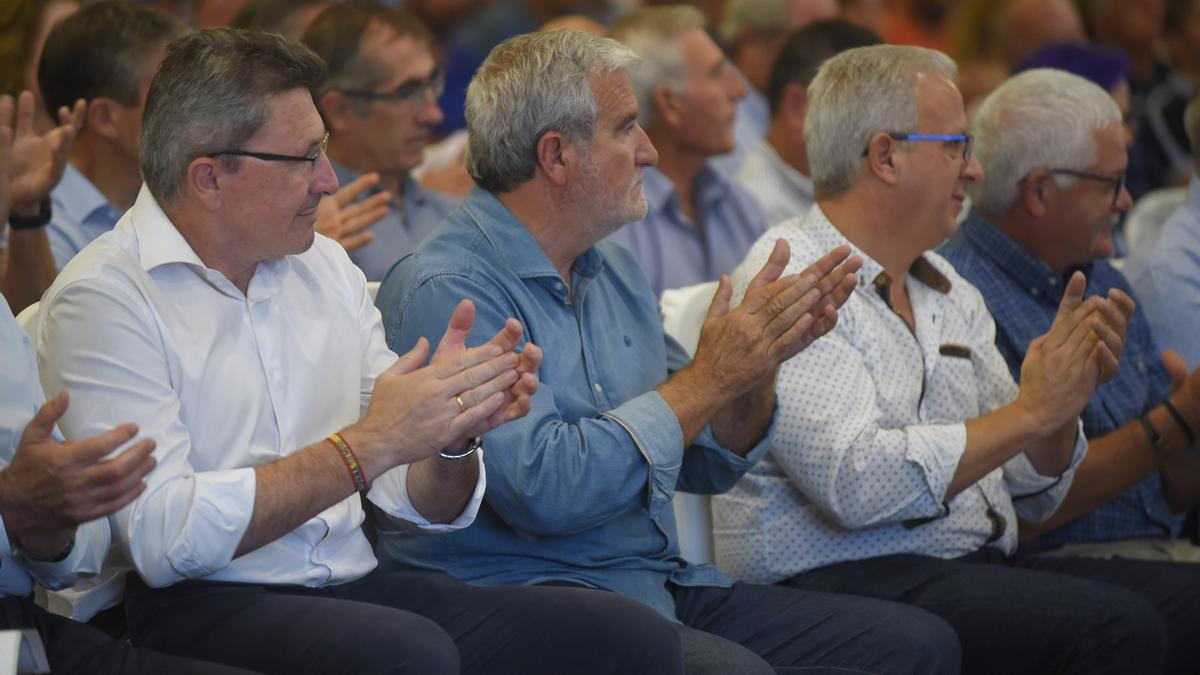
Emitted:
<point x="673" y="250"/>
<point x="1022" y="294"/>
<point x="579" y="490"/>
<point x="401" y="229"/>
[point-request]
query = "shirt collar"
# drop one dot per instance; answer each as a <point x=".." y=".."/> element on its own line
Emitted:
<point x="1009" y="256"/>
<point x="513" y="242"/>
<point x="802" y="184"/>
<point x="827" y="236"/>
<point x="160" y="243"/>
<point x="710" y="187"/>
<point x="78" y="197"/>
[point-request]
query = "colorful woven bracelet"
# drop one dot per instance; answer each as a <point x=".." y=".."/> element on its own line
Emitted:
<point x="352" y="464"/>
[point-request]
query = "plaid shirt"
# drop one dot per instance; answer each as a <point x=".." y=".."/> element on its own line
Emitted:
<point x="1022" y="294"/>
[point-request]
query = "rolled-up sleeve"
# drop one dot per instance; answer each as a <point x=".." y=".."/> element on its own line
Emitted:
<point x="1037" y="497"/>
<point x="390" y="493"/>
<point x="99" y="342"/>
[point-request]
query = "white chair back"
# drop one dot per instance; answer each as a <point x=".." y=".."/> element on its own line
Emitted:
<point x="28" y="318"/>
<point x="373" y="289"/>
<point x="683" y="312"/>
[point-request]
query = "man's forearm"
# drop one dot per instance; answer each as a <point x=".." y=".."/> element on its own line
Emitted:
<point x="29" y="269"/>
<point x="290" y="491"/>
<point x="743" y="422"/>
<point x="439" y="489"/>
<point x="998" y="436"/>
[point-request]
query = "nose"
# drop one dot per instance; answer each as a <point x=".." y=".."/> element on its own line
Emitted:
<point x="972" y="170"/>
<point x="430" y="112"/>
<point x="1124" y="200"/>
<point x="645" y="153"/>
<point x="324" y="181"/>
<point x="734" y="86"/>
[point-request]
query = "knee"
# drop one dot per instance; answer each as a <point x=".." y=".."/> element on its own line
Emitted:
<point x="1133" y="630"/>
<point x="619" y="634"/>
<point x="932" y="643"/>
<point x="415" y="645"/>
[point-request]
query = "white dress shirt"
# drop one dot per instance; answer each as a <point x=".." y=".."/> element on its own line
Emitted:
<point x="138" y="329"/>
<point x="783" y="192"/>
<point x="20" y="398"/>
<point x="872" y="427"/>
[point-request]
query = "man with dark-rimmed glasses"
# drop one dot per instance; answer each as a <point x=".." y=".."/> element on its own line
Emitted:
<point x="1053" y="151"/>
<point x="380" y="103"/>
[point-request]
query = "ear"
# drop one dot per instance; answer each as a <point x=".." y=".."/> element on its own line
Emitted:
<point x="794" y="104"/>
<point x="883" y="160"/>
<point x="1033" y="193"/>
<point x="338" y="110"/>
<point x="102" y="116"/>
<point x="668" y="110"/>
<point x="203" y="180"/>
<point x="556" y="156"/>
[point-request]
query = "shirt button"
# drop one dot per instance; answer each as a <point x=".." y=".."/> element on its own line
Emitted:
<point x="597" y="387"/>
<point x="558" y="285"/>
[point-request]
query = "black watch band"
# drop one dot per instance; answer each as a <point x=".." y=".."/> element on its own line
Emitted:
<point x="59" y="557"/>
<point x="31" y="222"/>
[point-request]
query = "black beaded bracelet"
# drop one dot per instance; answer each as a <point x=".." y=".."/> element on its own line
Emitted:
<point x="1182" y="422"/>
<point x="31" y="222"/>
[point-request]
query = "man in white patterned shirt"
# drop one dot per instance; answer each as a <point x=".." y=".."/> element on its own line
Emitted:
<point x="905" y="451"/>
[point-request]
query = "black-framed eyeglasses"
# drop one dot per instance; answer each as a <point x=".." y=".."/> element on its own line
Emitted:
<point x="966" y="140"/>
<point x="1117" y="181"/>
<point x="409" y="92"/>
<point x="272" y="157"/>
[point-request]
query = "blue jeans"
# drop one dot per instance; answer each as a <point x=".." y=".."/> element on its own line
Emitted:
<point x="752" y="628"/>
<point x="1041" y="615"/>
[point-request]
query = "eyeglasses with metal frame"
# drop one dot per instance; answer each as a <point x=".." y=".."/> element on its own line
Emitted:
<point x="408" y="92"/>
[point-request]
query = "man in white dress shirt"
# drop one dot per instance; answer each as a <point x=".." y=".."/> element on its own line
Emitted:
<point x="249" y="350"/>
<point x="905" y="451"/>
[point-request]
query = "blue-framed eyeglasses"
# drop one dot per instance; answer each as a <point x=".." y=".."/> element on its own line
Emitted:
<point x="409" y="92"/>
<point x="965" y="139"/>
<point x="272" y="157"/>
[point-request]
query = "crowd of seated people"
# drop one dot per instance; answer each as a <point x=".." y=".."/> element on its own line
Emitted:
<point x="274" y="402"/>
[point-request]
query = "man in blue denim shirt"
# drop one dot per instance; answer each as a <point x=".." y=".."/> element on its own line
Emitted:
<point x="580" y="491"/>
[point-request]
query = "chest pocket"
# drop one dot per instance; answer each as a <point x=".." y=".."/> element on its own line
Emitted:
<point x="953" y="390"/>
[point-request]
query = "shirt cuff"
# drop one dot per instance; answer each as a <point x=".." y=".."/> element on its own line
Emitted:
<point x="936" y="449"/>
<point x="390" y="493"/>
<point x="1036" y="497"/>
<point x="86" y="557"/>
<point x="222" y="506"/>
<point x="655" y="431"/>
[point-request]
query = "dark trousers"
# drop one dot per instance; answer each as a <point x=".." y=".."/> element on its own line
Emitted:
<point x="1042" y="615"/>
<point x="405" y="622"/>
<point x="752" y="628"/>
<point x="73" y="647"/>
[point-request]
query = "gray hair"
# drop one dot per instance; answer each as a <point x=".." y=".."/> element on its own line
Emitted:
<point x="652" y="32"/>
<point x="1040" y="118"/>
<point x="210" y="94"/>
<point x="528" y="85"/>
<point x="856" y="95"/>
<point x="764" y="15"/>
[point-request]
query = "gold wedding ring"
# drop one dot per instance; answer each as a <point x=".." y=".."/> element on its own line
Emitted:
<point x="462" y="407"/>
